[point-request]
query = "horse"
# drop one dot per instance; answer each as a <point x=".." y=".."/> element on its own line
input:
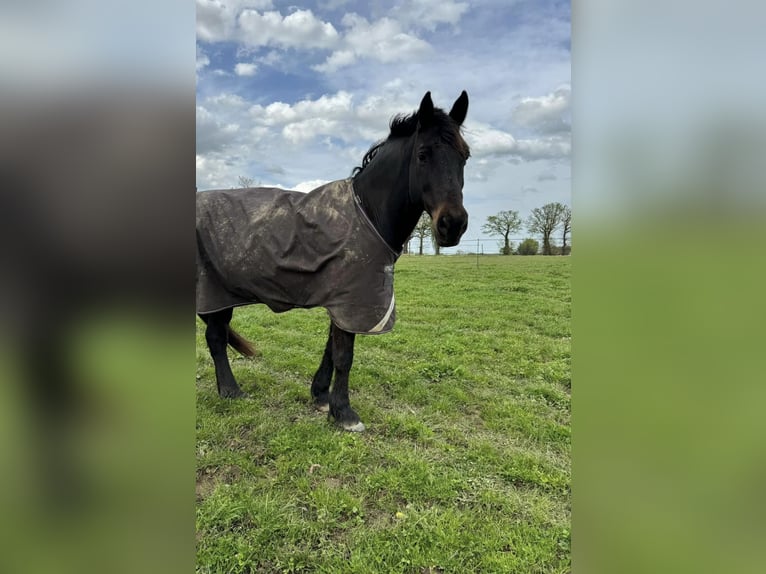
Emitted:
<point x="334" y="247"/>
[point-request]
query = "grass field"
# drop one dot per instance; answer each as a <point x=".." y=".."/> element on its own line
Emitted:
<point x="465" y="464"/>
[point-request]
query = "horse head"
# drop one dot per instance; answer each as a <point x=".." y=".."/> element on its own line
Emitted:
<point x="438" y="159"/>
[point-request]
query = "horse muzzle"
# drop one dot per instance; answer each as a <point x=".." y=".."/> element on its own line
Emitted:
<point x="449" y="226"/>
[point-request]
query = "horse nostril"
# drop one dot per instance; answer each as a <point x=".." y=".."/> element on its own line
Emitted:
<point x="443" y="224"/>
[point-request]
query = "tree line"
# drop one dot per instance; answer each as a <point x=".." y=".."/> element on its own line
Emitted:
<point x="543" y="222"/>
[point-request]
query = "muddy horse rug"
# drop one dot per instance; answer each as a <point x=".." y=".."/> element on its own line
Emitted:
<point x="289" y="250"/>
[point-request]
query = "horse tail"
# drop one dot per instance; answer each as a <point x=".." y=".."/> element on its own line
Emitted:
<point x="240" y="344"/>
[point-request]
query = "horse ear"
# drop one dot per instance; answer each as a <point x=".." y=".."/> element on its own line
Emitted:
<point x="426" y="110"/>
<point x="459" y="109"/>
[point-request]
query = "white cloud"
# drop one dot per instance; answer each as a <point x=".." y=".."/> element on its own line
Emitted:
<point x="306" y="186"/>
<point x="228" y="101"/>
<point x="202" y="59"/>
<point x="274" y="114"/>
<point x="428" y="13"/>
<point x="385" y="40"/>
<point x="337" y="60"/>
<point x="272" y="58"/>
<point x="213" y="134"/>
<point x="330" y="134"/>
<point x="307" y="119"/>
<point x="245" y="69"/>
<point x="305" y="130"/>
<point x="554" y="147"/>
<point x="216" y="172"/>
<point x="546" y="114"/>
<point x="337" y="105"/>
<point x="301" y="29"/>
<point x="246" y="21"/>
<point x="382" y="40"/>
<point x="488" y="142"/>
<point x="217" y="19"/>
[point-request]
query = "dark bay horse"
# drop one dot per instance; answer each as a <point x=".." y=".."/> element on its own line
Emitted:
<point x="334" y="247"/>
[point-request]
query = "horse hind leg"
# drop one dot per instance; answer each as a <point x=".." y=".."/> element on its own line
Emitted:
<point x="320" y="385"/>
<point x="216" y="335"/>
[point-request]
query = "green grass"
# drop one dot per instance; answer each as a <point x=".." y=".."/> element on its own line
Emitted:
<point x="465" y="464"/>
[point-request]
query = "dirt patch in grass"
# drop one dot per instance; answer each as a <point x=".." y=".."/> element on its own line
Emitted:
<point x="210" y="477"/>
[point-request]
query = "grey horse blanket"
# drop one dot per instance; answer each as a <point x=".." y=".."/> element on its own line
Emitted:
<point x="289" y="249"/>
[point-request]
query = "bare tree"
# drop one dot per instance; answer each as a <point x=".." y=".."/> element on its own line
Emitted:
<point x="422" y="230"/>
<point x="406" y="246"/>
<point x="245" y="181"/>
<point x="437" y="247"/>
<point x="504" y="223"/>
<point x="432" y="236"/>
<point x="543" y="221"/>
<point x="566" y="226"/>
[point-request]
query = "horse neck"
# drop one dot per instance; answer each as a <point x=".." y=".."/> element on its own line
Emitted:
<point x="383" y="189"/>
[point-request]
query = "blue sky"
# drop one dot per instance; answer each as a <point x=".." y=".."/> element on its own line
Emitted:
<point x="293" y="95"/>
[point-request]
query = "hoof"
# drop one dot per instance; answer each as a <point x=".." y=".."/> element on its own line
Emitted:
<point x="354" y="427"/>
<point x="323" y="407"/>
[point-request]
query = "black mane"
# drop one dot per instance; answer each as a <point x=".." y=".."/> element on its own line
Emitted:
<point x="403" y="126"/>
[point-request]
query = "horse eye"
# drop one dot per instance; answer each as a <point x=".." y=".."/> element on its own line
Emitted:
<point x="422" y="155"/>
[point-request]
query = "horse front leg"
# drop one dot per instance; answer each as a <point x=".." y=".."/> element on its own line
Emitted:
<point x="320" y="385"/>
<point x="216" y="335"/>
<point x="342" y="358"/>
